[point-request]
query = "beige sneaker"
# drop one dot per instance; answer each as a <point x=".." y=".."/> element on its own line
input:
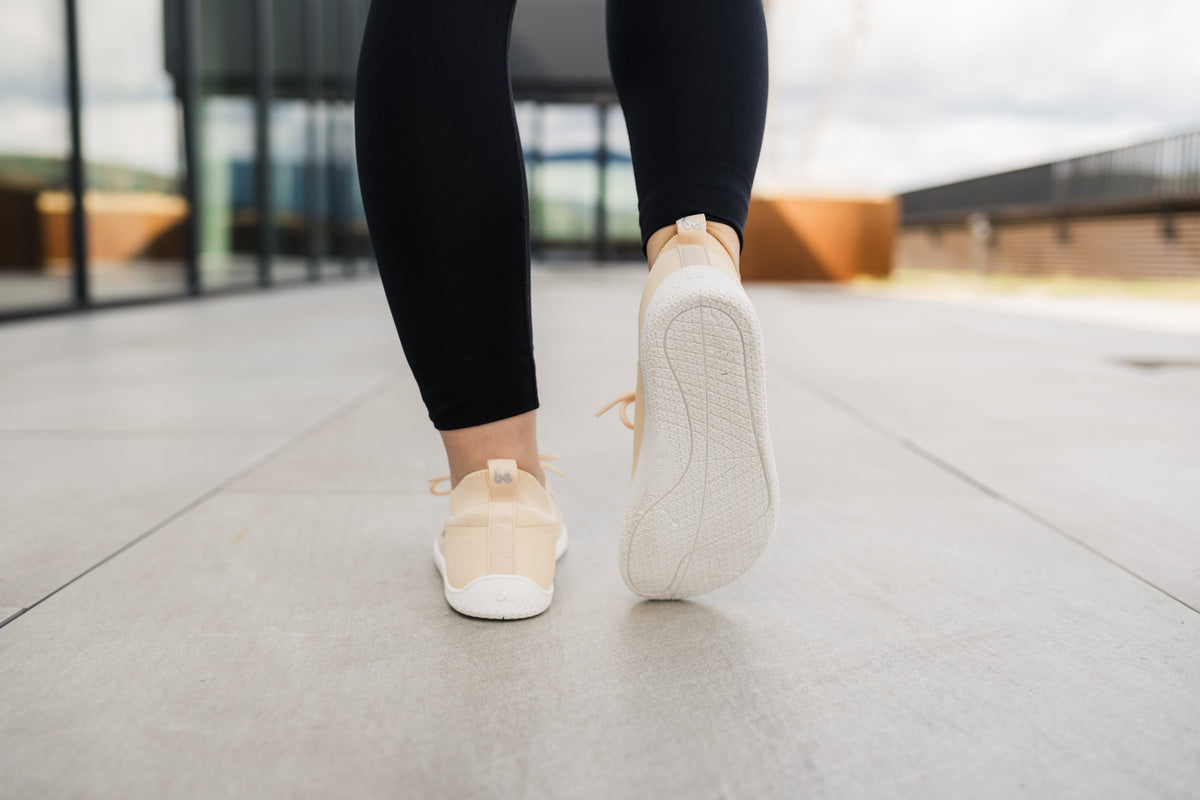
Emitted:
<point x="704" y="494"/>
<point x="498" y="548"/>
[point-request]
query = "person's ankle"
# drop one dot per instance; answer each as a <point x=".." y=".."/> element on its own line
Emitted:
<point x="468" y="449"/>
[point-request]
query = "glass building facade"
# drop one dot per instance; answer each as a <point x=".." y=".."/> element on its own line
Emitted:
<point x="155" y="149"/>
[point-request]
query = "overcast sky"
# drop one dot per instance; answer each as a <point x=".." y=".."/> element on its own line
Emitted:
<point x="936" y="90"/>
<point x="929" y="90"/>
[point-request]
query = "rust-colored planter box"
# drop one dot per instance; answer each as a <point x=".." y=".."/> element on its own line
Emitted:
<point x="819" y="239"/>
<point x="121" y="227"/>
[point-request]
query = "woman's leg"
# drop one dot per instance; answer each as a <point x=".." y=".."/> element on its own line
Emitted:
<point x="691" y="76"/>
<point x="692" y="79"/>
<point x="443" y="184"/>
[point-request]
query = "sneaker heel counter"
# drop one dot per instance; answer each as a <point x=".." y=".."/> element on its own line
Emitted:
<point x="502" y="514"/>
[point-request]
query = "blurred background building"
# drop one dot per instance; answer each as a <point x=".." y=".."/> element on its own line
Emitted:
<point x="154" y="149"/>
<point x="1132" y="212"/>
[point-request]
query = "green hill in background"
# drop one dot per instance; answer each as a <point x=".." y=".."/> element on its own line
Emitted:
<point x="52" y="173"/>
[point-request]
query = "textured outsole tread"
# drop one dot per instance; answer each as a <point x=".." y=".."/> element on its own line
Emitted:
<point x="703" y="504"/>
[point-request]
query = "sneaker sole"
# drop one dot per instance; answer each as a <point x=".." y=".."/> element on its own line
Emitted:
<point x="499" y="596"/>
<point x="704" y="499"/>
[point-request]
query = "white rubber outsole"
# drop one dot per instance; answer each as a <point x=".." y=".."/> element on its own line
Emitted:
<point x="499" y="596"/>
<point x="704" y="499"/>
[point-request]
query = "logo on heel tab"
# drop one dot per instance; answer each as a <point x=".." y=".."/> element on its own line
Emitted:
<point x="693" y="223"/>
<point x="502" y="477"/>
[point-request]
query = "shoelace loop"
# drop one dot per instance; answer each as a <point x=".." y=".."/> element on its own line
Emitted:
<point x="625" y="400"/>
<point x="544" y="457"/>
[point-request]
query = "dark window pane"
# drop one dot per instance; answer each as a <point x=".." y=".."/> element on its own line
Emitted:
<point x="326" y="119"/>
<point x="36" y="251"/>
<point x="566" y="191"/>
<point x="621" y="201"/>
<point x="289" y="119"/>
<point x="229" y="238"/>
<point x="132" y="147"/>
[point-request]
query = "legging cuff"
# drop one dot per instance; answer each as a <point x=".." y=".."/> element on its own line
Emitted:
<point x="490" y="387"/>
<point x="720" y="192"/>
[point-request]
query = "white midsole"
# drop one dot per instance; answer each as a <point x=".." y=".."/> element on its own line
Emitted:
<point x="499" y="596"/>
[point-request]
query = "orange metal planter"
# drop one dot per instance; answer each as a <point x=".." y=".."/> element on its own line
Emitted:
<point x="121" y="227"/>
<point x="819" y="239"/>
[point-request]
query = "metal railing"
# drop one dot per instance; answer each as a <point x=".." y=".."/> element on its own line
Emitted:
<point x="1157" y="174"/>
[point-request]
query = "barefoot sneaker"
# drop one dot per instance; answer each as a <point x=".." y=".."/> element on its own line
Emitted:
<point x="498" y="548"/>
<point x="704" y="494"/>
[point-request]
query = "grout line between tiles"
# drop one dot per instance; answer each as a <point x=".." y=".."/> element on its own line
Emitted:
<point x="871" y="423"/>
<point x="325" y="421"/>
<point x="331" y="492"/>
<point x="136" y="434"/>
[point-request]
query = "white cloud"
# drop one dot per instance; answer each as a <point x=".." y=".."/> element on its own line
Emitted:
<point x="142" y="135"/>
<point x="121" y="50"/>
<point x="33" y="128"/>
<point x="32" y="52"/>
<point x="938" y="90"/>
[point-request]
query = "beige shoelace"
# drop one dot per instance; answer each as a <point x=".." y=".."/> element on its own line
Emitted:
<point x="433" y="482"/>
<point x="625" y="400"/>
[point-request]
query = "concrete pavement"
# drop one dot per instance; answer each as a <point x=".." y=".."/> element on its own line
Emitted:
<point x="214" y="560"/>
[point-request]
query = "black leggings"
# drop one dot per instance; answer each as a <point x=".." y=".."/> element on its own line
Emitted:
<point x="443" y="177"/>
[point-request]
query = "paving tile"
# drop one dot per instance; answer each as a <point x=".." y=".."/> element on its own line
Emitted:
<point x="1038" y="409"/>
<point x="384" y="444"/>
<point x="905" y="635"/>
<point x="283" y="644"/>
<point x="209" y="366"/>
<point x="586" y="355"/>
<point x="584" y="358"/>
<point x="69" y="502"/>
